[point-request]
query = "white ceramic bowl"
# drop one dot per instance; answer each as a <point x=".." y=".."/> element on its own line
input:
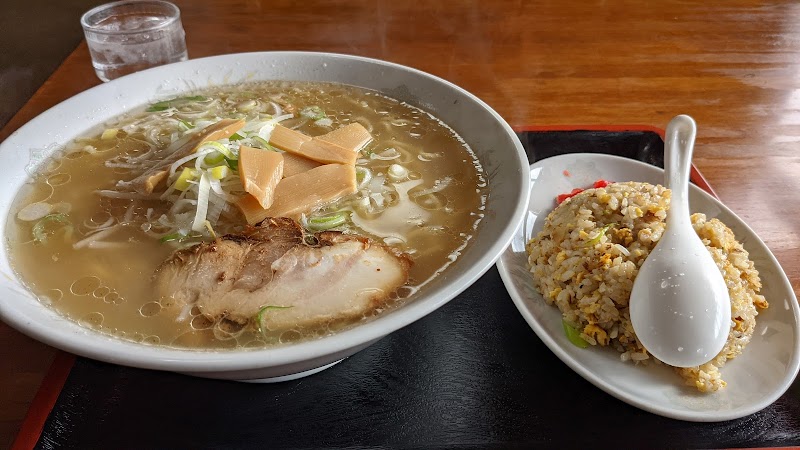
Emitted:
<point x="491" y="138"/>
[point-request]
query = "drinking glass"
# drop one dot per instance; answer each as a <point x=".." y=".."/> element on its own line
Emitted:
<point x="132" y="35"/>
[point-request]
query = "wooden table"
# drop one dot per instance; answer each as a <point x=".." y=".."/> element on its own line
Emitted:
<point x="734" y="68"/>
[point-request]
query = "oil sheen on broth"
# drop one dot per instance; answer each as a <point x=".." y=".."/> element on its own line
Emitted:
<point x="433" y="195"/>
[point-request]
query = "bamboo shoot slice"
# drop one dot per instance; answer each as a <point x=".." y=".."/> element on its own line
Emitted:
<point x="312" y="148"/>
<point x="287" y="139"/>
<point x="260" y="171"/>
<point x="352" y="137"/>
<point x="294" y="164"/>
<point x="326" y="153"/>
<point x="303" y="193"/>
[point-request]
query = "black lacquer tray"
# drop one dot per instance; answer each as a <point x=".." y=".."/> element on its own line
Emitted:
<point x="470" y="375"/>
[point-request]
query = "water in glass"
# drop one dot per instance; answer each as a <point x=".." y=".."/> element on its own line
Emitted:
<point x="127" y="38"/>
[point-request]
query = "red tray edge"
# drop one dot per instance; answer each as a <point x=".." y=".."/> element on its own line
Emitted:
<point x="44" y="401"/>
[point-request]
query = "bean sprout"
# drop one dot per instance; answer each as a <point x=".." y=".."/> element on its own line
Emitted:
<point x="95" y="237"/>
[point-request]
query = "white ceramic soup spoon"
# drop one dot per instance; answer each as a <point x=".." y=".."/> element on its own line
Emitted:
<point x="680" y="307"/>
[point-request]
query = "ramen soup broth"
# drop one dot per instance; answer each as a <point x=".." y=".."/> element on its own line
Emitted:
<point x="422" y="192"/>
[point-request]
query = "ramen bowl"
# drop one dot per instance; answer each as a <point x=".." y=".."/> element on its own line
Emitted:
<point x="489" y="136"/>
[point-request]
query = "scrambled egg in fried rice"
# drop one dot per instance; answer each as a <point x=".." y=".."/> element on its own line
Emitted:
<point x="590" y="250"/>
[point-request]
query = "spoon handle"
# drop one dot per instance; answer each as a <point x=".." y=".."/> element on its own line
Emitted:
<point x="681" y="132"/>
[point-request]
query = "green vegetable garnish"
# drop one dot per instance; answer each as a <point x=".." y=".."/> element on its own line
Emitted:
<point x="260" y="315"/>
<point x="261" y="143"/>
<point x="599" y="235"/>
<point x="313" y="112"/>
<point x="214" y="158"/>
<point x="172" y="237"/>
<point x="43" y="227"/>
<point x="573" y="334"/>
<point x="166" y="104"/>
<point x="323" y="223"/>
<point x="361" y="174"/>
<point x="185" y="125"/>
<point x="235" y="137"/>
<point x="218" y="172"/>
<point x="180" y="237"/>
<point x="217" y="146"/>
<point x="109" y="133"/>
<point x="232" y="163"/>
<point x="186" y="177"/>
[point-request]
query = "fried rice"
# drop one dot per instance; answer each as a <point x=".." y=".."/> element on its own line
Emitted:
<point x="588" y="254"/>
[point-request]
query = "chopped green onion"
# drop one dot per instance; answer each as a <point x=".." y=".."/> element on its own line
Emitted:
<point x="185" y="125"/>
<point x="396" y="172"/>
<point x="172" y="237"/>
<point x="210" y="229"/>
<point x="313" y="112"/>
<point x="573" y="335"/>
<point x="219" y="172"/>
<point x="261" y="143"/>
<point x="218" y="146"/>
<point x="214" y="158"/>
<point x="180" y="237"/>
<point x="109" y="133"/>
<point x="236" y="137"/>
<point x="323" y="223"/>
<point x="166" y="104"/>
<point x="40" y="229"/>
<point x="260" y="315"/>
<point x="232" y="163"/>
<point x="363" y="176"/>
<point x="599" y="235"/>
<point x="184" y="179"/>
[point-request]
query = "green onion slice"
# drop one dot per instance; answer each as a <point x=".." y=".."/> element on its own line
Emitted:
<point x="179" y="237"/>
<point x="218" y="146"/>
<point x="185" y="125"/>
<point x="599" y="235"/>
<point x="363" y="176"/>
<point x="573" y="335"/>
<point x="261" y="143"/>
<point x="313" y="112"/>
<point x="43" y="228"/>
<point x="172" y="237"/>
<point x="236" y="137"/>
<point x="109" y="133"/>
<point x="166" y="104"/>
<point x="214" y="158"/>
<point x="322" y="223"/>
<point x="262" y="311"/>
<point x="232" y="163"/>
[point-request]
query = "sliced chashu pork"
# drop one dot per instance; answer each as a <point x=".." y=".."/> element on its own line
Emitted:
<point x="341" y="277"/>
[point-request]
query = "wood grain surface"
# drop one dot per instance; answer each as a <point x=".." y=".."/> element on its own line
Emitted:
<point x="735" y="67"/>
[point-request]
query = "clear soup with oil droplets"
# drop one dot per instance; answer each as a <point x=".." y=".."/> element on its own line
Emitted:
<point x="88" y="245"/>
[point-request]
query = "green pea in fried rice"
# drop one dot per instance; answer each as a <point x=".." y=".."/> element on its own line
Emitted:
<point x="590" y="250"/>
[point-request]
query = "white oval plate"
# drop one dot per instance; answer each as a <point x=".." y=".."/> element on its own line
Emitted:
<point x="755" y="379"/>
